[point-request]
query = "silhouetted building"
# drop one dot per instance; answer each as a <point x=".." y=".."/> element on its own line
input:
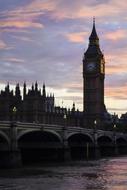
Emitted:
<point x="35" y="106"/>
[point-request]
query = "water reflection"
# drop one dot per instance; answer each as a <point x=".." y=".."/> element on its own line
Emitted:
<point x="106" y="174"/>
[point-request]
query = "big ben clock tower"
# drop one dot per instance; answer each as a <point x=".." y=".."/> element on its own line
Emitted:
<point x="93" y="76"/>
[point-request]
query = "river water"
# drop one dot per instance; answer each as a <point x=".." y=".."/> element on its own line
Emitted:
<point x="104" y="174"/>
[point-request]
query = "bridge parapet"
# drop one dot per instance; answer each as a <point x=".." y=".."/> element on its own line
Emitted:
<point x="62" y="131"/>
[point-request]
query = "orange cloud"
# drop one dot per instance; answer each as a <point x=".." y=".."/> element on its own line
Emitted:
<point x="116" y="62"/>
<point x="114" y="69"/>
<point x="3" y="45"/>
<point x="20" y="24"/>
<point x="116" y="92"/>
<point x="116" y="35"/>
<point x="13" y="60"/>
<point x="76" y="37"/>
<point x="112" y="8"/>
<point x="14" y="31"/>
<point x="24" y="38"/>
<point x="41" y="5"/>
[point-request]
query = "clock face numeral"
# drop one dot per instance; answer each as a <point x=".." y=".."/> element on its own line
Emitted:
<point x="91" y="66"/>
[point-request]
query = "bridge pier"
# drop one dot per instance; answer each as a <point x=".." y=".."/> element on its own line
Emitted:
<point x="10" y="159"/>
<point x="96" y="152"/>
<point x="66" y="151"/>
<point x="116" y="151"/>
<point x="13" y="157"/>
<point x="66" y="154"/>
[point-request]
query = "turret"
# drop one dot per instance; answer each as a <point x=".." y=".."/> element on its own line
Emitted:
<point x="24" y="90"/>
<point x="32" y="87"/>
<point x="44" y="91"/>
<point x="36" y="86"/>
<point x="7" y="88"/>
<point x="73" y="108"/>
<point x="17" y="90"/>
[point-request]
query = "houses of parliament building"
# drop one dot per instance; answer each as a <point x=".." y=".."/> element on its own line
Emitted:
<point x="36" y="106"/>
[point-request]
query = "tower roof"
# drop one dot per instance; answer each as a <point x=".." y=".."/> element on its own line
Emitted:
<point x="93" y="48"/>
<point x="94" y="37"/>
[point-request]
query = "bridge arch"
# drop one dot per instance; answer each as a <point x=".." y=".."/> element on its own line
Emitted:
<point x="105" y="144"/>
<point x="34" y="130"/>
<point x="4" y="137"/>
<point x="81" y="145"/>
<point x="123" y="138"/>
<point x="77" y="133"/>
<point x="39" y="145"/>
<point x="4" y="144"/>
<point x="104" y="135"/>
<point x="121" y="143"/>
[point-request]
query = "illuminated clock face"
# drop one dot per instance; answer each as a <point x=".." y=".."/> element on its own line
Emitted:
<point x="91" y="66"/>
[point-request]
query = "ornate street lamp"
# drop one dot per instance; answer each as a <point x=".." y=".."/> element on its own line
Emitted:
<point x="95" y="122"/>
<point x="14" y="111"/>
<point x="115" y="140"/>
<point x="65" y="116"/>
<point x="94" y="130"/>
<point x="114" y="129"/>
<point x="97" y="153"/>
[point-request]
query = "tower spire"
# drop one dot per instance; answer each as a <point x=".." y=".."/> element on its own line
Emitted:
<point x="94" y="20"/>
<point x="93" y="39"/>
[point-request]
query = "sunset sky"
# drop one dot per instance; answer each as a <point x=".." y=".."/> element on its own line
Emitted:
<point x="44" y="40"/>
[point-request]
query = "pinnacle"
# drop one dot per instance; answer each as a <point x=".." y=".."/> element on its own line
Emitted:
<point x="93" y="35"/>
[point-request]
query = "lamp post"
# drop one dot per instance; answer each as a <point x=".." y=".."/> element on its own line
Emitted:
<point x="115" y="144"/>
<point x="114" y="129"/>
<point x="14" y="111"/>
<point x="96" y="150"/>
<point x="65" y="117"/>
<point x="64" y="122"/>
<point x="64" y="126"/>
<point x="94" y="131"/>
<point x="66" y="150"/>
<point x="95" y="123"/>
<point x="114" y="126"/>
<point x="13" y="130"/>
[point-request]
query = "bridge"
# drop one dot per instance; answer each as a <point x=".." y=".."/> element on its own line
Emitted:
<point x="30" y="142"/>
